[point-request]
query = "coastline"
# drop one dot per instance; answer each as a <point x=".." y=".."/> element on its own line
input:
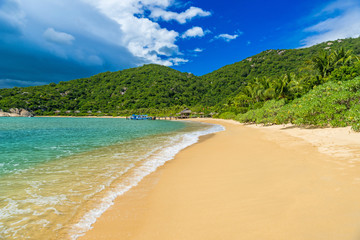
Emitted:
<point x="246" y="182"/>
<point x="65" y="193"/>
<point x="79" y="117"/>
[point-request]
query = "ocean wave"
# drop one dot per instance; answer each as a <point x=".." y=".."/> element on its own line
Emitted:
<point x="154" y="159"/>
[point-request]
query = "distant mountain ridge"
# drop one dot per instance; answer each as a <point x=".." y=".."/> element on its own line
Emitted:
<point x="159" y="89"/>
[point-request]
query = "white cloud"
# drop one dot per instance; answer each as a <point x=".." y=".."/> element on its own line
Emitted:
<point x="194" y="32"/>
<point x="54" y="36"/>
<point x="227" y="37"/>
<point x="115" y="33"/>
<point x="338" y="5"/>
<point x="198" y="50"/>
<point x="141" y="36"/>
<point x="178" y="61"/>
<point x="346" y="24"/>
<point x="158" y="13"/>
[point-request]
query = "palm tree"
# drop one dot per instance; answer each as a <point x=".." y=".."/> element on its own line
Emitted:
<point x="343" y="58"/>
<point x="323" y="63"/>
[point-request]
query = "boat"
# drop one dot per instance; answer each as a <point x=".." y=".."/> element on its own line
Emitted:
<point x="140" y="117"/>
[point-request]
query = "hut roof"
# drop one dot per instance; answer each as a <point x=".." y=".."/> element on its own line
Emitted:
<point x="185" y="111"/>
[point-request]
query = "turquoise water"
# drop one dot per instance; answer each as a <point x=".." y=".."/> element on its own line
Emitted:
<point x="26" y="142"/>
<point x="58" y="175"/>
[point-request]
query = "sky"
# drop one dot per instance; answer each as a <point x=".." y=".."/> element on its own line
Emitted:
<point x="59" y="40"/>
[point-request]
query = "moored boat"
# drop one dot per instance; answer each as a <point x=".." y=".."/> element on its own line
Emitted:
<point x="140" y="117"/>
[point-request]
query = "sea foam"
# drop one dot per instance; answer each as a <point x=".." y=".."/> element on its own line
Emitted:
<point x="155" y="159"/>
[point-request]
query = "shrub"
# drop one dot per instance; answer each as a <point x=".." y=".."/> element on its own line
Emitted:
<point x="227" y="115"/>
<point x="265" y="115"/>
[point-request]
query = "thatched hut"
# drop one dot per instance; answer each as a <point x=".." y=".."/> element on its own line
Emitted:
<point x="185" y="113"/>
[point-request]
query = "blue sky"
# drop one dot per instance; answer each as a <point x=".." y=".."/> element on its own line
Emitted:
<point x="59" y="40"/>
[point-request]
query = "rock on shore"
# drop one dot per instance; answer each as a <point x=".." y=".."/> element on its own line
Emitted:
<point x="15" y="112"/>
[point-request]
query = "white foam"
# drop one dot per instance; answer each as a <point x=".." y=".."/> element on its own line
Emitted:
<point x="12" y="208"/>
<point x="156" y="158"/>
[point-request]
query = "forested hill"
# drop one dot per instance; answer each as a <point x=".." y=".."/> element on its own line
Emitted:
<point x="272" y="64"/>
<point x="148" y="87"/>
<point x="162" y="90"/>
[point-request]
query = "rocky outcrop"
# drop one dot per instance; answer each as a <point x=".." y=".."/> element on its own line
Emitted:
<point x="15" y="112"/>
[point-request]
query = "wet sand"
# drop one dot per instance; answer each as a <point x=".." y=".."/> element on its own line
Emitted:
<point x="245" y="183"/>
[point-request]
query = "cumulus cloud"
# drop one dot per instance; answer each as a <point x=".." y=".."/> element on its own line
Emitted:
<point x="84" y="37"/>
<point x="183" y="17"/>
<point x="198" y="50"/>
<point x="227" y="37"/>
<point x="345" y="24"/>
<point x="58" y="37"/>
<point x="194" y="32"/>
<point x="143" y="37"/>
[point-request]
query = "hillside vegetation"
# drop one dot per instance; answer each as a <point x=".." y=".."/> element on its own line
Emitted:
<point x="330" y="97"/>
<point x="265" y="88"/>
<point x="333" y="104"/>
<point x="149" y="88"/>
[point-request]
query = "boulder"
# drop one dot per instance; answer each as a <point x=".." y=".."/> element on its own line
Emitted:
<point x="4" y="114"/>
<point x="15" y="112"/>
<point x="25" y="113"/>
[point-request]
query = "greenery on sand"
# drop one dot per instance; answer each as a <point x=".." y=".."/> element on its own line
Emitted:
<point x="331" y="100"/>
<point x="333" y="104"/>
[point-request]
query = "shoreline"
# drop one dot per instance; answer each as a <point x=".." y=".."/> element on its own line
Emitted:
<point x="246" y="182"/>
<point x="87" y="180"/>
<point x="78" y="117"/>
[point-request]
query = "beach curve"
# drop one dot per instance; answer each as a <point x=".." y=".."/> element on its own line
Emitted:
<point x="243" y="183"/>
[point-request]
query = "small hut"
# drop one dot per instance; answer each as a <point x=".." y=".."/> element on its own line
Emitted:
<point x="185" y="113"/>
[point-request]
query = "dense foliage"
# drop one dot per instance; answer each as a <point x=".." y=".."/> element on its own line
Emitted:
<point x="332" y="101"/>
<point x="151" y="89"/>
<point x="333" y="104"/>
<point x="257" y="89"/>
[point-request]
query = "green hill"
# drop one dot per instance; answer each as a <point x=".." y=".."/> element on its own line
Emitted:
<point x="230" y="79"/>
<point x="149" y="87"/>
<point x="157" y="89"/>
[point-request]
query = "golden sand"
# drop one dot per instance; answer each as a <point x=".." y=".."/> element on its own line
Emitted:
<point x="244" y="183"/>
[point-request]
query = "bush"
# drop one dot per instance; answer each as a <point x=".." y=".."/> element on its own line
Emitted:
<point x="265" y="115"/>
<point x="227" y="115"/>
<point x="333" y="104"/>
<point x="326" y="105"/>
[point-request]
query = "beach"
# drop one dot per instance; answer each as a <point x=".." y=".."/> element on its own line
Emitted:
<point x="246" y="182"/>
<point x="57" y="189"/>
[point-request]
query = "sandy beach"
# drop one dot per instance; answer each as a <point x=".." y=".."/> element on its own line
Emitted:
<point x="247" y="183"/>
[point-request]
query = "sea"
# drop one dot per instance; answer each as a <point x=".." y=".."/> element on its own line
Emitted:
<point x="58" y="175"/>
